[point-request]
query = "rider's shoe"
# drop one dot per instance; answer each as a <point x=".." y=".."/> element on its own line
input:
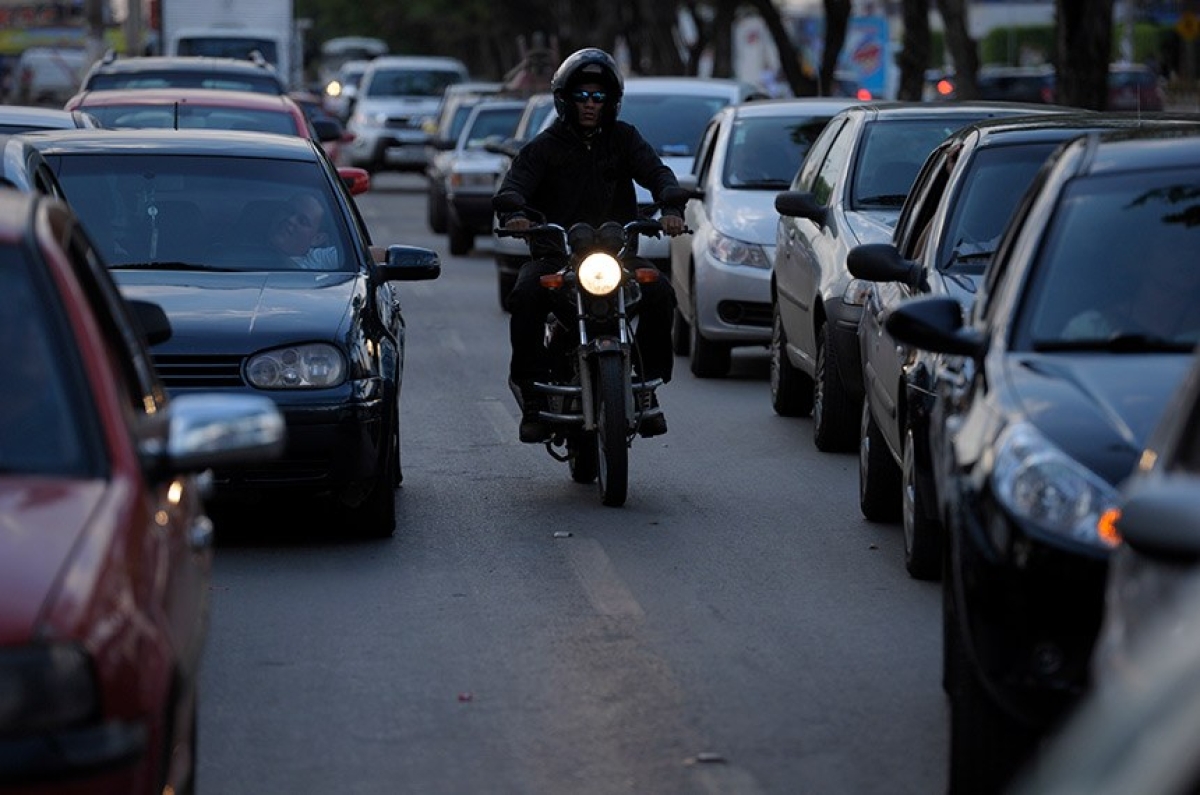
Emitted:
<point x="533" y="430"/>
<point x="655" y="425"/>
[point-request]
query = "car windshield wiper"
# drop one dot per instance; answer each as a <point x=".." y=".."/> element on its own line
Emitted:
<point x="165" y="266"/>
<point x="884" y="200"/>
<point x="763" y="184"/>
<point x="1118" y="343"/>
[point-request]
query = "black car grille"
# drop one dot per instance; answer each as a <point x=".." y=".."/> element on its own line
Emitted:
<point x="745" y="313"/>
<point x="400" y="122"/>
<point x="186" y="370"/>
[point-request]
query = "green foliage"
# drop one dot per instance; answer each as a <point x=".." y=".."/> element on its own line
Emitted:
<point x="1017" y="45"/>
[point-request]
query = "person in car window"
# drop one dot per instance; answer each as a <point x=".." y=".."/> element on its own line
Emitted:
<point x="299" y="231"/>
<point x="582" y="169"/>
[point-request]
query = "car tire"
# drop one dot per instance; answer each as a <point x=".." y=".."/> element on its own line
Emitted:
<point x="376" y="516"/>
<point x="461" y="239"/>
<point x="987" y="746"/>
<point x="879" y="495"/>
<point x="680" y="334"/>
<point x="791" y="388"/>
<point x="436" y="209"/>
<point x="834" y="413"/>
<point x="922" y="535"/>
<point x="709" y="359"/>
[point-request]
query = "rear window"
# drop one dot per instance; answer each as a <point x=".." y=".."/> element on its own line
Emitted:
<point x="672" y="123"/>
<point x="411" y="82"/>
<point x="193" y="117"/>
<point x="765" y="153"/>
<point x="261" y="84"/>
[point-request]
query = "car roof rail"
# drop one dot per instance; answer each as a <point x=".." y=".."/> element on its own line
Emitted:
<point x="109" y="56"/>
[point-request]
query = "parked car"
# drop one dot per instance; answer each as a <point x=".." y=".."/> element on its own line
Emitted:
<point x="193" y="218"/>
<point x="342" y="90"/>
<point x="444" y="131"/>
<point x="722" y="269"/>
<point x="946" y="235"/>
<point x="1131" y="87"/>
<point x="16" y="119"/>
<point x="105" y="546"/>
<point x="218" y="109"/>
<point x="468" y="174"/>
<point x="396" y="102"/>
<point x="1037" y="421"/>
<point x="330" y="129"/>
<point x="181" y="71"/>
<point x="849" y="191"/>
<point x="1137" y="726"/>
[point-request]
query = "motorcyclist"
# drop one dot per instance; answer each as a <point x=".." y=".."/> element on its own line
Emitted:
<point x="582" y="169"/>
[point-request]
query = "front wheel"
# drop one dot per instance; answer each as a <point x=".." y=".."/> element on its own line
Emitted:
<point x="582" y="456"/>
<point x="612" y="426"/>
<point x="791" y="389"/>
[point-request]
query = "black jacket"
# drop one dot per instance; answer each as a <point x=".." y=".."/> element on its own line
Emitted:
<point x="571" y="179"/>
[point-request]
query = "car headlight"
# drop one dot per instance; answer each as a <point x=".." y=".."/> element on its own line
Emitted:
<point x="45" y="688"/>
<point x="479" y="180"/>
<point x="313" y="366"/>
<point x="732" y="251"/>
<point x="369" y="119"/>
<point x="334" y="89"/>
<point x="1042" y="485"/>
<point x="599" y="274"/>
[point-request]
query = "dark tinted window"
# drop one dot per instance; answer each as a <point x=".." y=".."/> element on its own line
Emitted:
<point x="229" y="47"/>
<point x="765" y="153"/>
<point x="890" y="155"/>
<point x="194" y="117"/>
<point x="264" y="83"/>
<point x="672" y="123"/>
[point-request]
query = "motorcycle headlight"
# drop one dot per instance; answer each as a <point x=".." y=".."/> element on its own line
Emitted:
<point x="732" y="251"/>
<point x="313" y="366"/>
<point x="1044" y="486"/>
<point x="599" y="274"/>
<point x="45" y="688"/>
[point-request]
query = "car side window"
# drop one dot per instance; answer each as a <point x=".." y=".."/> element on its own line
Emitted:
<point x="702" y="164"/>
<point x="832" y="167"/>
<point x="816" y="156"/>
<point x="912" y="230"/>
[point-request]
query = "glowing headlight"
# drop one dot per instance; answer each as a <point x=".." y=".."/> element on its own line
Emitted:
<point x="334" y="89"/>
<point x="313" y="366"/>
<point x="599" y="274"/>
<point x="1044" y="486"/>
<point x="732" y="251"/>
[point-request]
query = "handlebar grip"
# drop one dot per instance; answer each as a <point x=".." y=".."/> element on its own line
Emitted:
<point x="502" y="232"/>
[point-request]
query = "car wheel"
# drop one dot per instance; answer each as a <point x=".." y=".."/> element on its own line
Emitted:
<point x="437" y="210"/>
<point x="922" y="535"/>
<point x="376" y="516"/>
<point x="680" y="334"/>
<point x="987" y="746"/>
<point x="878" y="476"/>
<point x="461" y="239"/>
<point x="791" y="389"/>
<point x="834" y="413"/>
<point x="709" y="359"/>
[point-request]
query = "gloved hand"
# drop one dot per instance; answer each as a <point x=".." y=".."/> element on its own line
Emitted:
<point x="672" y="224"/>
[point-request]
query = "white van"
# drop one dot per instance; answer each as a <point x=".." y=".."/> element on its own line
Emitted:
<point x="394" y="110"/>
<point x="46" y="75"/>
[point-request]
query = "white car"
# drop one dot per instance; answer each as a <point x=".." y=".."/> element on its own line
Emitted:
<point x="670" y="113"/>
<point x="722" y="269"/>
<point x="341" y="91"/>
<point x="396" y="103"/>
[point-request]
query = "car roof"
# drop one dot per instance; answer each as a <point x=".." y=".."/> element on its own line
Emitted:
<point x="931" y="110"/>
<point x="200" y="63"/>
<point x="222" y="97"/>
<point x="790" y="106"/>
<point x="687" y="85"/>
<point x="191" y="142"/>
<point x="423" y="61"/>
<point x="32" y="114"/>
<point x="1051" y="126"/>
<point x="1115" y="151"/>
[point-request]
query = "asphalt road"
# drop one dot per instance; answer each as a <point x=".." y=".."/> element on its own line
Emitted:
<point x="737" y="627"/>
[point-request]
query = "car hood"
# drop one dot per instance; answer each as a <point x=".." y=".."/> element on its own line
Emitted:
<point x="399" y="106"/>
<point x="747" y="215"/>
<point x="43" y="519"/>
<point x="237" y="313"/>
<point x="1091" y="407"/>
<point x="872" y="226"/>
<point x="477" y="160"/>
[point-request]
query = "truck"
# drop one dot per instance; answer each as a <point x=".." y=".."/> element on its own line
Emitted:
<point x="234" y="28"/>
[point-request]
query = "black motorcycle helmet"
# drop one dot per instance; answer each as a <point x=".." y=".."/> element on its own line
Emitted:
<point x="589" y="65"/>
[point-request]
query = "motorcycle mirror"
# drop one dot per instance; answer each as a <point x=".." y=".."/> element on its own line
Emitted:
<point x="508" y="202"/>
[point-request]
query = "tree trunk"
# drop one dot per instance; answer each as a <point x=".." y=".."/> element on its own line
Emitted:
<point x="789" y="57"/>
<point x="837" y="20"/>
<point x="913" y="59"/>
<point x="963" y="50"/>
<point x="1084" y="41"/>
<point x="722" y="37"/>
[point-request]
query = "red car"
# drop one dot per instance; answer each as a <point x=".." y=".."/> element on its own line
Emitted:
<point x="215" y="109"/>
<point x="105" y="548"/>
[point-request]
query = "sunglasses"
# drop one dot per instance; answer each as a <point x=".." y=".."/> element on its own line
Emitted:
<point x="584" y="96"/>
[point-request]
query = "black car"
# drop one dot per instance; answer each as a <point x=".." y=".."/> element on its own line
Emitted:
<point x="182" y="71"/>
<point x="186" y="218"/>
<point x="948" y="230"/>
<point x="1080" y="331"/>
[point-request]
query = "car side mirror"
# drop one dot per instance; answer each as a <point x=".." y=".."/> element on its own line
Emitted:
<point x="357" y="180"/>
<point x="327" y="128"/>
<point x="410" y="263"/>
<point x="798" y="204"/>
<point x="152" y="319"/>
<point x="934" y="323"/>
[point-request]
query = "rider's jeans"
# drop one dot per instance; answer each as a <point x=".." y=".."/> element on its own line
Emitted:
<point x="529" y="303"/>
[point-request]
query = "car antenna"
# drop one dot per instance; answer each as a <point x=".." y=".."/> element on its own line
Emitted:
<point x="176" y="106"/>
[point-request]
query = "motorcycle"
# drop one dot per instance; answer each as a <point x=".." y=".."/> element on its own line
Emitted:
<point x="595" y="401"/>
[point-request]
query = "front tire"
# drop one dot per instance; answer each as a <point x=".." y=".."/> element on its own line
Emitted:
<point x="681" y="334"/>
<point x="612" y="426"/>
<point x="437" y="209"/>
<point x="583" y="457"/>
<point x="791" y="389"/>
<point x="922" y="535"/>
<point x="461" y="239"/>
<point x="376" y="516"/>
<point x="834" y="413"/>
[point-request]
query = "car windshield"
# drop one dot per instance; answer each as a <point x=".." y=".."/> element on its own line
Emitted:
<point x="43" y="414"/>
<point x="261" y="84"/>
<point x="228" y="47"/>
<point x="891" y="153"/>
<point x="491" y="122"/>
<point x="1120" y="266"/>
<point x="207" y="212"/>
<point x="183" y="116"/>
<point x="995" y="181"/>
<point x="765" y="152"/>
<point x="411" y="82"/>
<point x="672" y="123"/>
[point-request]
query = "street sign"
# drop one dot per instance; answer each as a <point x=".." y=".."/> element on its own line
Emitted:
<point x="1188" y="26"/>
